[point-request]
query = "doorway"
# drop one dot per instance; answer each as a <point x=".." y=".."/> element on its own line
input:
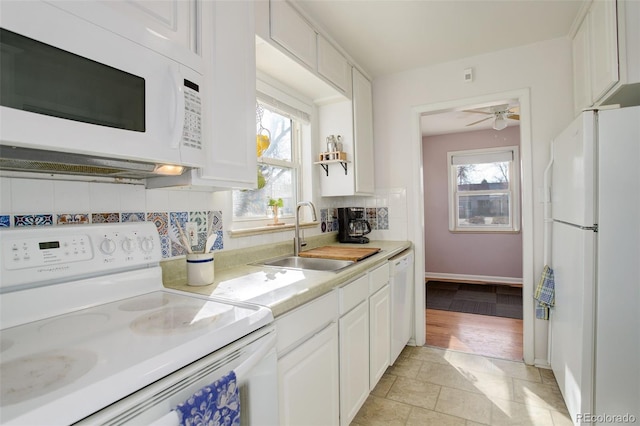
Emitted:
<point x="522" y="99"/>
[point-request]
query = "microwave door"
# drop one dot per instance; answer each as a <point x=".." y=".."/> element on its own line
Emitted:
<point x="113" y="97"/>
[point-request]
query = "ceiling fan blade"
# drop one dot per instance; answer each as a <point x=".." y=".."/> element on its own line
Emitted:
<point x="513" y="116"/>
<point x="479" y="121"/>
<point x="477" y="111"/>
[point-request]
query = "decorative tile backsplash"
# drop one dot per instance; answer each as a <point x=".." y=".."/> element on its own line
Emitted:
<point x="169" y="225"/>
<point x="378" y="218"/>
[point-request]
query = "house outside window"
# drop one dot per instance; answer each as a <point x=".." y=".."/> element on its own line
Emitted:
<point x="277" y="142"/>
<point x="484" y="193"/>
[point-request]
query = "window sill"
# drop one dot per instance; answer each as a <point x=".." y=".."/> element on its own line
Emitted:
<point x="247" y="232"/>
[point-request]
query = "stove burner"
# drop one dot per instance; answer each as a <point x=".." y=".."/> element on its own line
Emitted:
<point x="145" y="303"/>
<point x="38" y="374"/>
<point x="74" y="324"/>
<point x="172" y="320"/>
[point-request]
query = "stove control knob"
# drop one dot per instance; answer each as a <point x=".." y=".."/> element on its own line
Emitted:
<point x="108" y="246"/>
<point x="128" y="245"/>
<point x="146" y="244"/>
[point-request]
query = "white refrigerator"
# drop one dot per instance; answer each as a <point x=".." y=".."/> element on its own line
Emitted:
<point x="595" y="255"/>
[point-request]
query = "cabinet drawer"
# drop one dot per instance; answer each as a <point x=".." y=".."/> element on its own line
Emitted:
<point x="378" y="278"/>
<point x="352" y="294"/>
<point x="297" y="326"/>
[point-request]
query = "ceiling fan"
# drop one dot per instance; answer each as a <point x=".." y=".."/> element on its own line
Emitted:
<point x="499" y="114"/>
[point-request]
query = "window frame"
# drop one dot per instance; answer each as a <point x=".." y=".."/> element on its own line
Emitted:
<point x="295" y="165"/>
<point x="513" y="190"/>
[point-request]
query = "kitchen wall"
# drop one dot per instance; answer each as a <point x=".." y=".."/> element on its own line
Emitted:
<point x="544" y="69"/>
<point x="52" y="202"/>
<point x="496" y="254"/>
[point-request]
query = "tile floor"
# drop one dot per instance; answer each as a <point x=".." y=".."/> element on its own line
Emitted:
<point x="431" y="386"/>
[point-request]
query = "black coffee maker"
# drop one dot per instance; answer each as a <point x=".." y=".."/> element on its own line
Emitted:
<point x="352" y="226"/>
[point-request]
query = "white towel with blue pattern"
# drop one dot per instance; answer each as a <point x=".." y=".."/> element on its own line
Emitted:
<point x="217" y="404"/>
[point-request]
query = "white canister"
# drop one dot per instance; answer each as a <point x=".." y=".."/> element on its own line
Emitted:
<point x="199" y="269"/>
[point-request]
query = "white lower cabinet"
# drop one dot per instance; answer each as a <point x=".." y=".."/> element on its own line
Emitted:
<point x="308" y="381"/>
<point x="354" y="361"/>
<point x="308" y="369"/>
<point x="333" y="350"/>
<point x="380" y="334"/>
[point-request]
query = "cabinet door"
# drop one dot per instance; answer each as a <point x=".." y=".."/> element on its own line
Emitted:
<point x="230" y="106"/>
<point x="333" y="66"/>
<point x="380" y="334"/>
<point x="354" y="362"/>
<point x="171" y="19"/>
<point x="171" y="27"/>
<point x="308" y="381"/>
<point x="292" y="32"/>
<point x="604" y="47"/>
<point x="363" y="134"/>
<point x="581" y="68"/>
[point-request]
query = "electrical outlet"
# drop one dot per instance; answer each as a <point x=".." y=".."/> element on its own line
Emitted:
<point x="192" y="233"/>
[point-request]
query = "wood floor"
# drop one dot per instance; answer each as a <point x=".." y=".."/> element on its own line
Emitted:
<point x="479" y="334"/>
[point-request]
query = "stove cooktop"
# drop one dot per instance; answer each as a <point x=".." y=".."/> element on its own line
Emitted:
<point x="100" y="354"/>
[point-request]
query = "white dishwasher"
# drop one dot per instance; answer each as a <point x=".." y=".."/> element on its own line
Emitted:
<point x="401" y="282"/>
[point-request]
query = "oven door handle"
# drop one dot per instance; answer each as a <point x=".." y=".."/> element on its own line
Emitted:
<point x="242" y="371"/>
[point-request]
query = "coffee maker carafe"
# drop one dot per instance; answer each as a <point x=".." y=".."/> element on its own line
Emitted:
<point x="352" y="226"/>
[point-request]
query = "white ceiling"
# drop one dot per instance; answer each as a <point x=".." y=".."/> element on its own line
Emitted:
<point x="390" y="36"/>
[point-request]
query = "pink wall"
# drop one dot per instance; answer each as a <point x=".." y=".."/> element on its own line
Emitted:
<point x="492" y="254"/>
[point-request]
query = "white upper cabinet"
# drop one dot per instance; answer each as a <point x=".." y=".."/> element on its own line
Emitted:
<point x="168" y="26"/>
<point x="581" y="68"/>
<point x="292" y="32"/>
<point x="606" y="55"/>
<point x="229" y="102"/>
<point x="363" y="134"/>
<point x="334" y="66"/>
<point x="231" y="114"/>
<point x="353" y="120"/>
<point x="604" y="47"/>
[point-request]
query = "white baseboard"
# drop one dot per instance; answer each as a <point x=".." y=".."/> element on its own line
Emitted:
<point x="471" y="278"/>
<point x="542" y="363"/>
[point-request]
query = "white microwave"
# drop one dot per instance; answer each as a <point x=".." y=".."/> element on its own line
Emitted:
<point x="71" y="86"/>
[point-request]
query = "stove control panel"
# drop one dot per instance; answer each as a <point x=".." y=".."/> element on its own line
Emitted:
<point x="33" y="255"/>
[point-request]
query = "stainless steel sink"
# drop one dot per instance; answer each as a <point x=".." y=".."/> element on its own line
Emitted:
<point x="316" y="264"/>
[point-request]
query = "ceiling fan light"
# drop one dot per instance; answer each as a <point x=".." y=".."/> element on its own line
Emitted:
<point x="500" y="122"/>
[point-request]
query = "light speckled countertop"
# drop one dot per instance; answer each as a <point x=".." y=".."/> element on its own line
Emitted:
<point x="279" y="289"/>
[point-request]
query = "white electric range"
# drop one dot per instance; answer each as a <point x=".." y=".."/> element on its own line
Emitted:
<point x="86" y="327"/>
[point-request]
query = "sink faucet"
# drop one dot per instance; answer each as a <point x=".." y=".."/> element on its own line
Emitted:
<point x="297" y="242"/>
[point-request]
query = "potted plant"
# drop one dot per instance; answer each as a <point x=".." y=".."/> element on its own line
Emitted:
<point x="274" y="205"/>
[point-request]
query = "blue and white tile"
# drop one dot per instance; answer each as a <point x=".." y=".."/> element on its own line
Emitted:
<point x="216" y="217"/>
<point x="5" y="221"/>
<point x="219" y="243"/>
<point x="133" y="217"/>
<point x="177" y="224"/>
<point x="383" y="218"/>
<point x="32" y="220"/>
<point x="200" y="218"/>
<point x="165" y="244"/>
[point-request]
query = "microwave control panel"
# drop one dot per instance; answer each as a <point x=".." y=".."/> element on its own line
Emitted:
<point x="192" y="132"/>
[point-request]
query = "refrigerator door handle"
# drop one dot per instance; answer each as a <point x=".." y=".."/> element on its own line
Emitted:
<point x="593" y="228"/>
